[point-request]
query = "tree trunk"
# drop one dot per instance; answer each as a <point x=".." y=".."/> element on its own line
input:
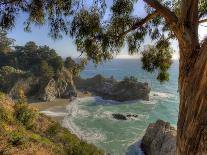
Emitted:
<point x="192" y="121"/>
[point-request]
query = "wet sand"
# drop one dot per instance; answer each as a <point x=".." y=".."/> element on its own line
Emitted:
<point x="57" y="108"/>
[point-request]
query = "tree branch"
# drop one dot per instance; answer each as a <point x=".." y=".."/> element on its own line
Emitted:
<point x="141" y="22"/>
<point x="202" y="21"/>
<point x="163" y="11"/>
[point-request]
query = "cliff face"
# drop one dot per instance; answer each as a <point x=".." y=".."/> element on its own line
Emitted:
<point x="159" y="139"/>
<point x="46" y="89"/>
<point x="108" y="88"/>
<point x="61" y="87"/>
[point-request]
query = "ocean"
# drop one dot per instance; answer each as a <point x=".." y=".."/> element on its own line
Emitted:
<point x="91" y="118"/>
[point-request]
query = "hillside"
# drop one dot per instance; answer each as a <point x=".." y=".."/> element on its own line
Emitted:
<point x="25" y="131"/>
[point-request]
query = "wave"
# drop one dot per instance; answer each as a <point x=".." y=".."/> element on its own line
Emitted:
<point x="51" y="113"/>
<point x="92" y="135"/>
<point x="156" y="94"/>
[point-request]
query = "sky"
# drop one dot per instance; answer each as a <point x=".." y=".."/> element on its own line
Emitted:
<point x="65" y="47"/>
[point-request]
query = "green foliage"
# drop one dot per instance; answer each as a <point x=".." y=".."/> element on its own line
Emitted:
<point x="155" y="58"/>
<point x="39" y="60"/>
<point x="5" y="116"/>
<point x="8" y="76"/>
<point x="73" y="67"/>
<point x="45" y="70"/>
<point x="53" y="129"/>
<point x="22" y="98"/>
<point x="17" y="134"/>
<point x="5" y="43"/>
<point x="18" y="138"/>
<point x="25" y="115"/>
<point x="97" y="36"/>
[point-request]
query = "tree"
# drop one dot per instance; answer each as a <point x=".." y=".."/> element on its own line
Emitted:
<point x="69" y="63"/>
<point x="100" y="39"/>
<point x="5" y="42"/>
<point x="73" y="67"/>
<point x="45" y="70"/>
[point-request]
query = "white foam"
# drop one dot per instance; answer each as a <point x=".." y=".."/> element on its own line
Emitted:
<point x="51" y="113"/>
<point x="74" y="111"/>
<point x="154" y="94"/>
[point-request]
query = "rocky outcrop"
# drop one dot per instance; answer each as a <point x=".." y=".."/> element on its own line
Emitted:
<point x="46" y="89"/>
<point x="108" y="88"/>
<point x="159" y="139"/>
<point x="119" y="116"/>
<point x="62" y="87"/>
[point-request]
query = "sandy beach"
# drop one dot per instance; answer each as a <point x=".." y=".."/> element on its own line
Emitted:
<point x="57" y="108"/>
<point x="52" y="108"/>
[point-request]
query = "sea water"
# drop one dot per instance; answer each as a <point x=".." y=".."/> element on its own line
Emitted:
<point x="91" y="118"/>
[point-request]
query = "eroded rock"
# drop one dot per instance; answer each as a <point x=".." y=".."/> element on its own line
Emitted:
<point x="109" y="88"/>
<point x="159" y="139"/>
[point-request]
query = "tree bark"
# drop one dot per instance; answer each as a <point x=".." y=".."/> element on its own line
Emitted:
<point x="192" y="120"/>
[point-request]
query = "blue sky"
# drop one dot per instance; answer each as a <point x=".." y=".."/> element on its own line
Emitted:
<point x="65" y="46"/>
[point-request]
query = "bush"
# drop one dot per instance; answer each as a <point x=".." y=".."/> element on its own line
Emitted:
<point x="25" y="115"/>
<point x="5" y="116"/>
<point x="53" y="129"/>
<point x="17" y="138"/>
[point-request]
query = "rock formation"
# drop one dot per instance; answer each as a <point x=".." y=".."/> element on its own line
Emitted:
<point x="46" y="89"/>
<point x="159" y="139"/>
<point x="62" y="87"/>
<point x="119" y="116"/>
<point x="108" y="88"/>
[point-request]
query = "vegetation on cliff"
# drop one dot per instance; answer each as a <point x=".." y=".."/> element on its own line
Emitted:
<point x="24" y="130"/>
<point x="100" y="38"/>
<point x="108" y="88"/>
<point x="39" y="70"/>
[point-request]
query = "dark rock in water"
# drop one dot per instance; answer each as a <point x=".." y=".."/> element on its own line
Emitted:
<point x="119" y="116"/>
<point x="132" y="115"/>
<point x="108" y="88"/>
<point x="123" y="116"/>
<point x="159" y="139"/>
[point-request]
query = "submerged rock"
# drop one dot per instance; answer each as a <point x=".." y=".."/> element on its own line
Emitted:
<point x="159" y="139"/>
<point x="109" y="88"/>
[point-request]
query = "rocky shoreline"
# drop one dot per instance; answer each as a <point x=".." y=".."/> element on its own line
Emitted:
<point x="159" y="139"/>
<point x="108" y="88"/>
<point x="66" y="86"/>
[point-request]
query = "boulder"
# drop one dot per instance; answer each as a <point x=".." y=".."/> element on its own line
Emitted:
<point x="109" y="88"/>
<point x="159" y="139"/>
<point x="119" y="116"/>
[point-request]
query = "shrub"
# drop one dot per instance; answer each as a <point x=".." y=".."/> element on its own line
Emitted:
<point x="25" y="115"/>
<point x="17" y="138"/>
<point x="53" y="129"/>
<point x="5" y="116"/>
<point x="22" y="98"/>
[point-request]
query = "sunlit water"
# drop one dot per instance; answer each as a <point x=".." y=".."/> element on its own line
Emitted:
<point x="91" y="118"/>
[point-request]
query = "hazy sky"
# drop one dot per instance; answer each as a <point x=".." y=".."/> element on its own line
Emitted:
<point x="65" y="46"/>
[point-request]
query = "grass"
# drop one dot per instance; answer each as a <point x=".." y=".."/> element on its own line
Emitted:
<point x="24" y="131"/>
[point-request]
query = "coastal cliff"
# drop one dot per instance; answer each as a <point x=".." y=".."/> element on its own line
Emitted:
<point x="109" y="88"/>
<point x="61" y="86"/>
<point x="159" y="139"/>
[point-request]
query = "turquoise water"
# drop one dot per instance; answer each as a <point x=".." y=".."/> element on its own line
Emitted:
<point x="90" y="118"/>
